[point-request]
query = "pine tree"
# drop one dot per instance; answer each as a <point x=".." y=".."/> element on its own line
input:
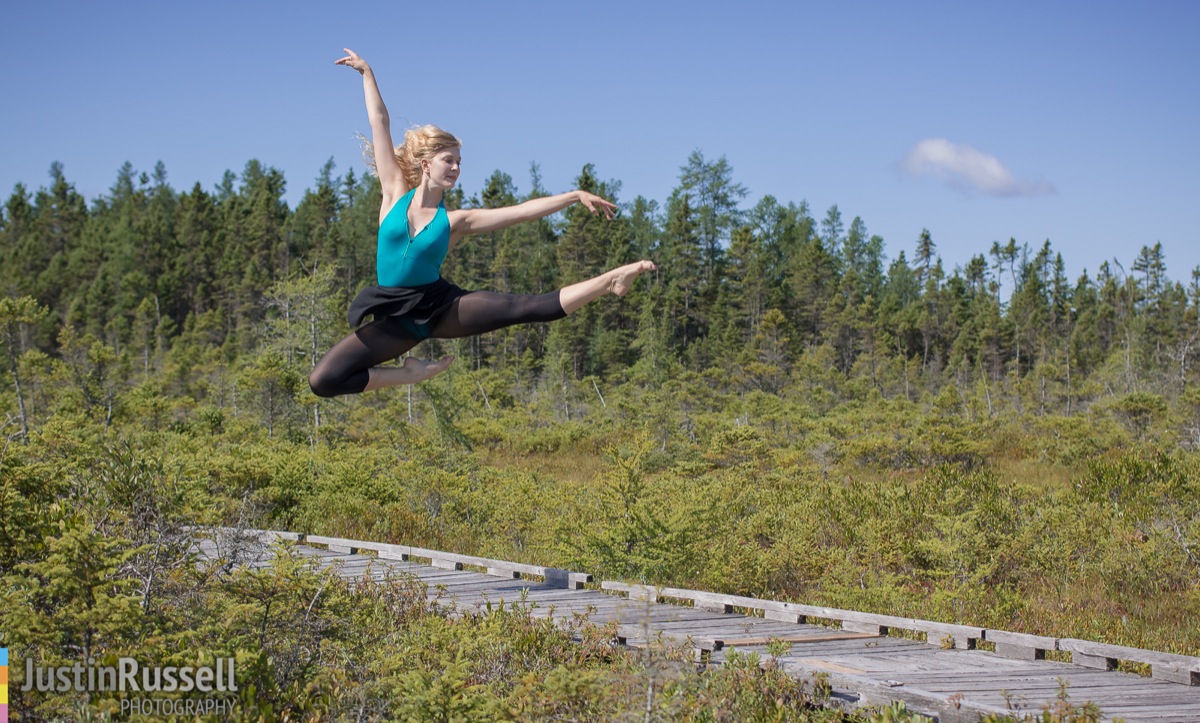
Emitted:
<point x="16" y="316"/>
<point x="681" y="259"/>
<point x="834" y="237"/>
<point x="714" y="196"/>
<point x="255" y="254"/>
<point x="584" y="248"/>
<point x="59" y="218"/>
<point x="193" y="268"/>
<point x="311" y="232"/>
<point x="813" y="279"/>
<point x="746" y="280"/>
<point x="925" y="257"/>
<point x="1030" y="310"/>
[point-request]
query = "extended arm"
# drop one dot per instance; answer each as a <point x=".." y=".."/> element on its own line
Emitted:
<point x="482" y="220"/>
<point x="391" y="180"/>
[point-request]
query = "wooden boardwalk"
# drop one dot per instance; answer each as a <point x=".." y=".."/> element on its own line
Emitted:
<point x="944" y="676"/>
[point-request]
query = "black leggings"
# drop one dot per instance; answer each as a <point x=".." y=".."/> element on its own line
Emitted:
<point x="344" y="369"/>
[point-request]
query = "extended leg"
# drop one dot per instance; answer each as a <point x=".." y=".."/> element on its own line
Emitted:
<point x="618" y="281"/>
<point x="482" y="311"/>
<point x="352" y="365"/>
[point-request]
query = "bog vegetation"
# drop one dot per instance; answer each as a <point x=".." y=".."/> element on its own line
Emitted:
<point x="780" y="411"/>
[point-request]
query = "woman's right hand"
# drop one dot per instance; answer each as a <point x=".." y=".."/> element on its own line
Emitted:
<point x="352" y="60"/>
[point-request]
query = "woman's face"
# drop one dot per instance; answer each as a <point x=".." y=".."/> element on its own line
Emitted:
<point x="443" y="167"/>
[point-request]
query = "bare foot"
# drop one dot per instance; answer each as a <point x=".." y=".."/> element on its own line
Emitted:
<point x="420" y="369"/>
<point x="621" y="280"/>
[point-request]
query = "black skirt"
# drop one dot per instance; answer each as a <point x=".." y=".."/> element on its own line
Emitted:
<point x="411" y="308"/>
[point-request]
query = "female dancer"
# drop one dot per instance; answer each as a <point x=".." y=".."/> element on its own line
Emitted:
<point x="412" y="301"/>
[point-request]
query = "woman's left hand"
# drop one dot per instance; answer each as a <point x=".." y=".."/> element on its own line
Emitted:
<point x="596" y="204"/>
<point x="352" y="60"/>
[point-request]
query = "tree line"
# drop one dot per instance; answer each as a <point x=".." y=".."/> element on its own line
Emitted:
<point x="147" y="279"/>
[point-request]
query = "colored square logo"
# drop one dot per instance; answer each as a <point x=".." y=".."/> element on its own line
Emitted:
<point x="3" y="685"/>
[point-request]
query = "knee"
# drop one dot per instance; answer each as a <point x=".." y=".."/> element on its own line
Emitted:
<point x="322" y="384"/>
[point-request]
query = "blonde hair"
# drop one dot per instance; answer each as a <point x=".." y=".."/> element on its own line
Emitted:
<point x="420" y="143"/>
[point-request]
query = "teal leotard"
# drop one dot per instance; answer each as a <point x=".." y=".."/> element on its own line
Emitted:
<point x="402" y="260"/>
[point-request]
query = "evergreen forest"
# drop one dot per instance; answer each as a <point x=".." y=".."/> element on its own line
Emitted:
<point x="781" y="410"/>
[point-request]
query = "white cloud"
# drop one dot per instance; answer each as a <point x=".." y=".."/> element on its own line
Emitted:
<point x="965" y="168"/>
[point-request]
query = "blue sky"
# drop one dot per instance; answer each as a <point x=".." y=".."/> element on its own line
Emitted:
<point x="1075" y="122"/>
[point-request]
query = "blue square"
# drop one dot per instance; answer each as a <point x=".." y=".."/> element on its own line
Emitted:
<point x="3" y="656"/>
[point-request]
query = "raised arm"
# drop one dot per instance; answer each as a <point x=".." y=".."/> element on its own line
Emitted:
<point x="482" y="220"/>
<point x="391" y="179"/>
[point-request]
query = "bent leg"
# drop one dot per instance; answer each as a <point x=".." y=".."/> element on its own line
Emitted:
<point x="352" y="365"/>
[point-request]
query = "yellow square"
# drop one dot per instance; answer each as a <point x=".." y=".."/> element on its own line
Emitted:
<point x="3" y="695"/>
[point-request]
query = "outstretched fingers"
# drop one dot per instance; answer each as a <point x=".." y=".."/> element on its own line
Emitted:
<point x="597" y="204"/>
<point x="352" y="60"/>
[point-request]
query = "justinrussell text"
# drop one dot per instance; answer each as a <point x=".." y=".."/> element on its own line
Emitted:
<point x="129" y="676"/>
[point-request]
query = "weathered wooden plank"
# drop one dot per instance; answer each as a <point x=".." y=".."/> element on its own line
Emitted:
<point x="707" y="629"/>
<point x="553" y="576"/>
<point x="1020" y="646"/>
<point x="647" y="593"/>
<point x="1173" y="710"/>
<point x="871" y="647"/>
<point x="265" y="537"/>
<point x="352" y="563"/>
<point x="598" y="603"/>
<point x="861" y="627"/>
<point x="471" y="588"/>
<point x="538" y="591"/>
<point x="775" y="626"/>
<point x="566" y="578"/>
<point x="450" y="587"/>
<point x="805" y="639"/>
<point x="639" y="633"/>
<point x="497" y="588"/>
<point x="1183" y="669"/>
<point x="964" y="636"/>
<point x="989" y="677"/>
<point x="306" y="551"/>
<point x="473" y="585"/>
<point x="545" y="598"/>
<point x="566" y="607"/>
<point x="1020" y="652"/>
<point x="1022" y="639"/>
<point x="1098" y="662"/>
<point x="717" y="635"/>
<point x="676" y="616"/>
<point x="1175" y="674"/>
<point x="869" y="691"/>
<point x="735" y="622"/>
<point x="1150" y="700"/>
<point x="784" y="617"/>
<point x="836" y="666"/>
<point x="335" y="544"/>
<point x="437" y="576"/>
<point x="1042" y="692"/>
